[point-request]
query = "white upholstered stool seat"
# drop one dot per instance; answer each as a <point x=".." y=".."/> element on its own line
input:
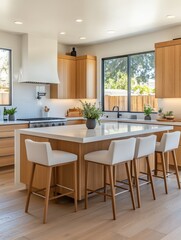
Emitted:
<point x="41" y="153"/>
<point x="169" y="143"/>
<point x="120" y="151"/>
<point x="145" y="147"/>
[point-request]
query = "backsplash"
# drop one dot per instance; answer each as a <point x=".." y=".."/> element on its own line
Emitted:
<point x="171" y="104"/>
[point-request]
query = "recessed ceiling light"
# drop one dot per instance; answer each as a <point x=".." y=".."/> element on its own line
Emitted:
<point x="62" y="33"/>
<point x="110" y="31"/>
<point x="82" y="38"/>
<point x="18" y="22"/>
<point x="79" y="20"/>
<point x="170" y="16"/>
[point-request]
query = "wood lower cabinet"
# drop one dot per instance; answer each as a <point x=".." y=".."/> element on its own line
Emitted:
<point x="167" y="69"/>
<point x="7" y="143"/>
<point x="66" y="89"/>
<point x="86" y="77"/>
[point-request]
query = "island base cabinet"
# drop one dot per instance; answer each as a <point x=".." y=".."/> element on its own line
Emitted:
<point x="65" y="173"/>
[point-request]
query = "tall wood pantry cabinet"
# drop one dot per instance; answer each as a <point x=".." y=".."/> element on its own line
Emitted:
<point x="168" y="69"/>
<point x="77" y="77"/>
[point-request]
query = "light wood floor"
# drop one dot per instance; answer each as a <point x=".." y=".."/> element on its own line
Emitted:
<point x="156" y="220"/>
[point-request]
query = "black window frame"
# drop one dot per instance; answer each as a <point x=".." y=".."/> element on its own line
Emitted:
<point x="11" y="82"/>
<point x="129" y="84"/>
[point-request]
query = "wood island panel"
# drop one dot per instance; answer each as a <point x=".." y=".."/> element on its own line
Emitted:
<point x="65" y="173"/>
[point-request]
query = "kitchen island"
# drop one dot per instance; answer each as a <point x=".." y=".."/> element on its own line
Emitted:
<point x="79" y="140"/>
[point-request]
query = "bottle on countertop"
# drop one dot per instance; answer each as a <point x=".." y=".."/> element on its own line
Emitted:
<point x="73" y="52"/>
<point x="5" y="114"/>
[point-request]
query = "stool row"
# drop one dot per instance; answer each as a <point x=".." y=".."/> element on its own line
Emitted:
<point x="126" y="151"/>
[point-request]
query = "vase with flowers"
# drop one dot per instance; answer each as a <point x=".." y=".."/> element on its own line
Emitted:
<point x="91" y="113"/>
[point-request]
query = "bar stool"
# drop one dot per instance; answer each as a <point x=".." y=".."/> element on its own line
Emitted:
<point x="41" y="153"/>
<point x="145" y="146"/>
<point x="120" y="151"/>
<point x="169" y="142"/>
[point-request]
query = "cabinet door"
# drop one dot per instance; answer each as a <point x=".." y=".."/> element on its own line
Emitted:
<point x="86" y="77"/>
<point x="66" y="89"/>
<point x="177" y="71"/>
<point x="165" y="73"/>
<point x="81" y="78"/>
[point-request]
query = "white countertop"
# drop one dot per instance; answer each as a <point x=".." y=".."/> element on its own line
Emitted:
<point x="142" y="121"/>
<point x="12" y="122"/>
<point x="109" y="130"/>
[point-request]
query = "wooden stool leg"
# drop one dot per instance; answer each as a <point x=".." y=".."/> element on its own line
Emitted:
<point x="137" y="183"/>
<point x="156" y="164"/>
<point x="30" y="186"/>
<point x="176" y="167"/>
<point x="86" y="180"/>
<point x="130" y="185"/>
<point x="55" y="181"/>
<point x="114" y="174"/>
<point x="150" y="177"/>
<point x="49" y="174"/>
<point x="75" y="185"/>
<point x="164" y="172"/>
<point x="111" y="179"/>
<point x="105" y="185"/>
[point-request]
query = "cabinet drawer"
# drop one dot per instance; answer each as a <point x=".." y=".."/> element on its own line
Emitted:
<point x="6" y="142"/>
<point x="6" y="160"/>
<point x="6" y="151"/>
<point x="12" y="127"/>
<point x="7" y="134"/>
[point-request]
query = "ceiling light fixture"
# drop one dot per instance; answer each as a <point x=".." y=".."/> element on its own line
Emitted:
<point x="62" y="33"/>
<point x="170" y="16"/>
<point x="18" y="22"/>
<point x="82" y="38"/>
<point x="110" y="31"/>
<point x="79" y="20"/>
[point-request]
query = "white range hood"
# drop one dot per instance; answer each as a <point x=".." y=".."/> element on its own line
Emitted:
<point x="39" y="60"/>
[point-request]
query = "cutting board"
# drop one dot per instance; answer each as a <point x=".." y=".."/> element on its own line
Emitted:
<point x="167" y="120"/>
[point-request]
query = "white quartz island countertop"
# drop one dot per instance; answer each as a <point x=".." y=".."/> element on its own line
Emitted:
<point x="104" y="131"/>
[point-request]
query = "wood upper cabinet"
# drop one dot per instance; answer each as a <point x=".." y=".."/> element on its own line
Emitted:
<point x="86" y="76"/>
<point x="66" y="89"/>
<point x="77" y="78"/>
<point x="168" y="69"/>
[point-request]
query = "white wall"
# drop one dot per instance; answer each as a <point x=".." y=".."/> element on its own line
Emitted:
<point x="136" y="44"/>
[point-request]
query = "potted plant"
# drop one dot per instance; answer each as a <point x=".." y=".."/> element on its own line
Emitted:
<point x="92" y="113"/>
<point x="169" y="115"/>
<point x="147" y="111"/>
<point x="11" y="113"/>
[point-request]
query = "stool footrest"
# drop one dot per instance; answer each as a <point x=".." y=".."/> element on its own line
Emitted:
<point x="37" y="193"/>
<point x="98" y="192"/>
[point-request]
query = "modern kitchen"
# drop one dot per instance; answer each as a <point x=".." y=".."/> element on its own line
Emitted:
<point x="90" y="119"/>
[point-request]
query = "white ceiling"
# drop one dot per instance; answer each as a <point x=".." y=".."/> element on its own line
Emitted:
<point x="50" y="17"/>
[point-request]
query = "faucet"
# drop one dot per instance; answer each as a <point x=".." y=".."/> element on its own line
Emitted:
<point x="117" y="107"/>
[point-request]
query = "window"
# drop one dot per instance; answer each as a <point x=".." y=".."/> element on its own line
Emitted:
<point x="129" y="82"/>
<point x="5" y="77"/>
